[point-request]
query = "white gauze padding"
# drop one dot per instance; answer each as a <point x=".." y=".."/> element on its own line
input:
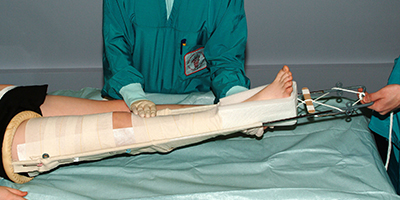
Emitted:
<point x="239" y="114"/>
<point x="160" y="134"/>
<point x="172" y="127"/>
<point x="124" y="136"/>
<point x="67" y="135"/>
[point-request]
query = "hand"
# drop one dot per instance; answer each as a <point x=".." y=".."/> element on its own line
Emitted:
<point x="7" y="193"/>
<point x="144" y="108"/>
<point x="385" y="100"/>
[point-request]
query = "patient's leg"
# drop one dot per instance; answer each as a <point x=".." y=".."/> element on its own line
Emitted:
<point x="41" y="144"/>
<point x="55" y="105"/>
<point x="61" y="105"/>
<point x="149" y="135"/>
<point x="119" y="120"/>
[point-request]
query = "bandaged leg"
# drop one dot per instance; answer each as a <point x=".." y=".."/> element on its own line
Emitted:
<point x="66" y="135"/>
<point x="53" y="141"/>
<point x="188" y="126"/>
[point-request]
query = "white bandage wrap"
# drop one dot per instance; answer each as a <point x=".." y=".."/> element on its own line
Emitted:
<point x="69" y="135"/>
<point x="176" y="128"/>
<point x="181" y="127"/>
<point x="124" y="136"/>
<point x="50" y="140"/>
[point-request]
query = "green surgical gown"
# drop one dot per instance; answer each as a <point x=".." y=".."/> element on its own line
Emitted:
<point x="381" y="124"/>
<point x="200" y="47"/>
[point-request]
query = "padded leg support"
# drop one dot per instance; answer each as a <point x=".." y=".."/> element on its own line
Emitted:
<point x="7" y="145"/>
<point x="159" y="134"/>
<point x="66" y="135"/>
<point x="52" y="141"/>
<point x="235" y="113"/>
<point x="165" y="133"/>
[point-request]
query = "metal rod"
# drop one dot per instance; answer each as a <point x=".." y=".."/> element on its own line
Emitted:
<point x="318" y="114"/>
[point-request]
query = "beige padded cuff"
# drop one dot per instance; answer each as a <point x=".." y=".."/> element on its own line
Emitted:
<point x="7" y="145"/>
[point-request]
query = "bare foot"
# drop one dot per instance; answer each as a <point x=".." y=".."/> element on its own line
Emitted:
<point x="281" y="87"/>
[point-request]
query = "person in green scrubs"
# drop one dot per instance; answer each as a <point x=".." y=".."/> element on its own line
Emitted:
<point x="387" y="100"/>
<point x="173" y="47"/>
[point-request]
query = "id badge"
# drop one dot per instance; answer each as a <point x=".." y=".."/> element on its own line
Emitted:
<point x="195" y="61"/>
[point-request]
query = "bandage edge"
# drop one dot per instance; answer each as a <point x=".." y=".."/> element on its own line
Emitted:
<point x="7" y="145"/>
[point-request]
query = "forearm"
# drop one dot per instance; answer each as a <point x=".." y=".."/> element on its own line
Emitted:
<point x="118" y="67"/>
<point x="225" y="50"/>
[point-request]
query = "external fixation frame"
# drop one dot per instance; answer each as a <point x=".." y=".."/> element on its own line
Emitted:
<point x="310" y="99"/>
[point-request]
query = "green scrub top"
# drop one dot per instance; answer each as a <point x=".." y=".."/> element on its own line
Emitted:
<point x="381" y="125"/>
<point x="200" y="47"/>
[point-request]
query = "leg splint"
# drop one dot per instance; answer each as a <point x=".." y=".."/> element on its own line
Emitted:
<point x="55" y="141"/>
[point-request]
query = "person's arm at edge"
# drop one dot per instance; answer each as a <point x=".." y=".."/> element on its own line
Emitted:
<point x="225" y="50"/>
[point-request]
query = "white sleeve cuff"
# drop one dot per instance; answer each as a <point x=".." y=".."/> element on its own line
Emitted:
<point x="236" y="89"/>
<point x="132" y="93"/>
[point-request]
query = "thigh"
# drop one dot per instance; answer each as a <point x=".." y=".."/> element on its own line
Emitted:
<point x="62" y="105"/>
